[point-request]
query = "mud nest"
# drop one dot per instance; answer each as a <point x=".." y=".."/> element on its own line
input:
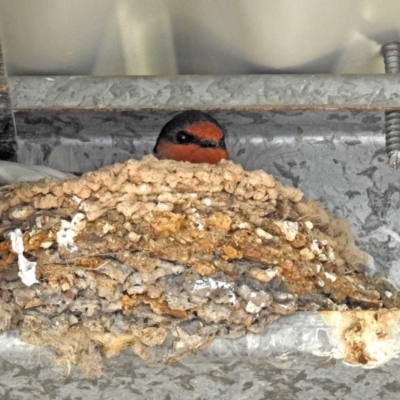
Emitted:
<point x="163" y="256"/>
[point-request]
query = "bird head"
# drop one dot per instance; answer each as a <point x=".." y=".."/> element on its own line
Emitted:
<point x="192" y="136"/>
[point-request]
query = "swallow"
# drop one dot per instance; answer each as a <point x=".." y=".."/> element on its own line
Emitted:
<point x="192" y="136"/>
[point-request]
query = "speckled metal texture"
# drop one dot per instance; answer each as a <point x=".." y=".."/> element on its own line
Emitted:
<point x="209" y="92"/>
<point x="281" y="364"/>
<point x="326" y="139"/>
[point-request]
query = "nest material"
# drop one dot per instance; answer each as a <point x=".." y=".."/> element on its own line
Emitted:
<point x="162" y="256"/>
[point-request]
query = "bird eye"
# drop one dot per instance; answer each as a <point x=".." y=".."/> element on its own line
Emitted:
<point x="183" y="137"/>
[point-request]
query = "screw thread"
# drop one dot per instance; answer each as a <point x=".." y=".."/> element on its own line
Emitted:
<point x="391" y="56"/>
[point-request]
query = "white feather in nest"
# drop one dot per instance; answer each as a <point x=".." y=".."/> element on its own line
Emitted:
<point x="11" y="172"/>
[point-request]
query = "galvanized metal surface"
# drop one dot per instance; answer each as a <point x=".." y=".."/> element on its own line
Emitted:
<point x="230" y="92"/>
<point x="292" y="360"/>
<point x="337" y="157"/>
